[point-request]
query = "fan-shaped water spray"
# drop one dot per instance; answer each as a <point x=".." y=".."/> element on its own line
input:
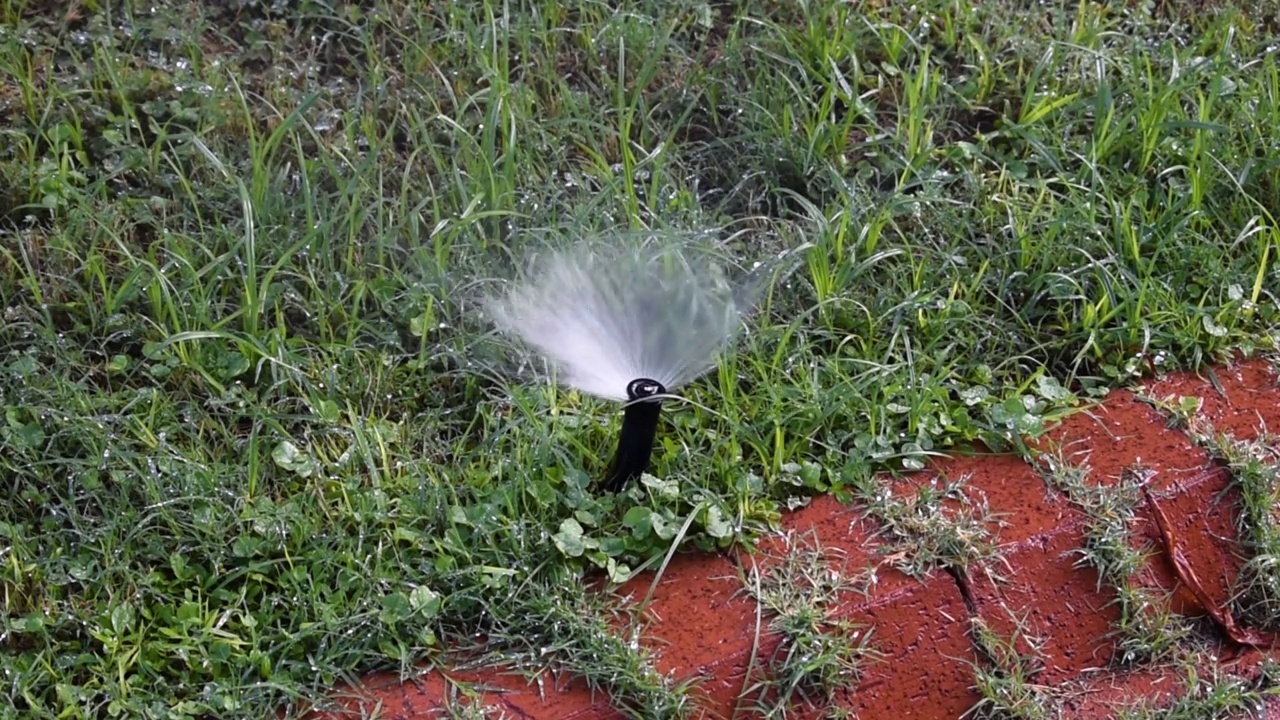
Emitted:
<point x="629" y="321"/>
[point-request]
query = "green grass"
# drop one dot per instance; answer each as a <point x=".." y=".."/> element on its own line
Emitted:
<point x="553" y="623"/>
<point x="257" y="436"/>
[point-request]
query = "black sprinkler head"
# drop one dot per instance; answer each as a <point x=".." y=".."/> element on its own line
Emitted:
<point x="639" y="428"/>
<point x="641" y="388"/>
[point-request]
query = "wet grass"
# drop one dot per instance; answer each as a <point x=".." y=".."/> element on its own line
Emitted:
<point x="935" y="525"/>
<point x="257" y="437"/>
<point x="1006" y="678"/>
<point x="1147" y="629"/>
<point x="1255" y="469"/>
<point x="560" y="626"/>
<point x="820" y="653"/>
<point x="1220" y="696"/>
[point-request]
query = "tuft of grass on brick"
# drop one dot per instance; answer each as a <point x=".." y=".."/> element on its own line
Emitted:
<point x="935" y="525"/>
<point x="1255" y="471"/>
<point x="821" y="653"/>
<point x="471" y="709"/>
<point x="1181" y="412"/>
<point x="1220" y="696"/>
<point x="570" y="631"/>
<point x="1005" y="677"/>
<point x="1147" y="631"/>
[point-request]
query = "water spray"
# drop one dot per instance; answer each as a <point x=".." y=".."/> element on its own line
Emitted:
<point x="629" y="321"/>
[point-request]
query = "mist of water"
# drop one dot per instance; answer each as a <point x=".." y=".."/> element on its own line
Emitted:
<point x="605" y="314"/>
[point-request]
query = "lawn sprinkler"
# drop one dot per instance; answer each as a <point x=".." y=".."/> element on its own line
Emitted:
<point x="630" y="321"/>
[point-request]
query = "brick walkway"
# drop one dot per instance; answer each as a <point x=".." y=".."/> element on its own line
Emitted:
<point x="702" y="626"/>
